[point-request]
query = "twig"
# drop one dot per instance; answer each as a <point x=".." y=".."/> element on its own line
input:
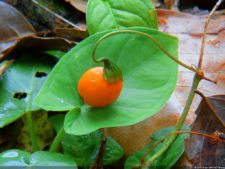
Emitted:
<point x="192" y="68"/>
<point x="142" y="34"/>
<point x="199" y="75"/>
<point x="99" y="161"/>
<point x="179" y="125"/>
<point x="205" y="33"/>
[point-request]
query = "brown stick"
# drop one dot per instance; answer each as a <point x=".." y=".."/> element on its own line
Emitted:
<point x="199" y="75"/>
<point x="99" y="161"/>
<point x="205" y="32"/>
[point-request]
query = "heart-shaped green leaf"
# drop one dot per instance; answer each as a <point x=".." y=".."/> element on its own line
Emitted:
<point x="149" y="78"/>
<point x="40" y="158"/>
<point x="57" y="54"/>
<point x="115" y="14"/>
<point x="168" y="159"/>
<point x="84" y="149"/>
<point x="14" y="158"/>
<point x="20" y="84"/>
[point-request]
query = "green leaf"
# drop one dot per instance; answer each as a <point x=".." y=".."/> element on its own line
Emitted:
<point x="84" y="149"/>
<point x="149" y="79"/>
<point x="55" y="53"/>
<point x="57" y="121"/>
<point x="19" y="86"/>
<point x="14" y="158"/>
<point x="115" y="14"/>
<point x="40" y="158"/>
<point x="113" y="151"/>
<point x="168" y="159"/>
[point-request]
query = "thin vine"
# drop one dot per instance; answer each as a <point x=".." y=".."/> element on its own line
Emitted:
<point x="199" y="75"/>
<point x="192" y="68"/>
<point x="197" y="78"/>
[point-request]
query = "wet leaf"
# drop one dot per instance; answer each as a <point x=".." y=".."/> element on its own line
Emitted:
<point x="12" y="158"/>
<point x="104" y="15"/>
<point x="210" y="120"/>
<point x="13" y="26"/>
<point x="84" y="149"/>
<point x="55" y="53"/>
<point x="20" y="84"/>
<point x="79" y="4"/>
<point x="144" y="92"/>
<point x="168" y="159"/>
<point x="37" y="44"/>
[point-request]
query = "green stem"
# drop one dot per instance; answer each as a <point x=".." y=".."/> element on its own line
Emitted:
<point x="29" y="121"/>
<point x="57" y="140"/>
<point x="142" y="34"/>
<point x="180" y="123"/>
<point x="194" y="86"/>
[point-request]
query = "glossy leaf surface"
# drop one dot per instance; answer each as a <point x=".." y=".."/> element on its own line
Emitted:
<point x="40" y="158"/>
<point x="84" y="149"/>
<point x="19" y="85"/>
<point x="103" y="15"/>
<point x="168" y="159"/>
<point x="149" y="78"/>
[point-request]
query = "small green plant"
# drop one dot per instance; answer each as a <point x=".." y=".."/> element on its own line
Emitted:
<point x="121" y="32"/>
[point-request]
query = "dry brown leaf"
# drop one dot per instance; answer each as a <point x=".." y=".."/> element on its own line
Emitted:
<point x="70" y="33"/>
<point x="78" y="4"/>
<point x="17" y="34"/>
<point x="13" y="26"/>
<point x="220" y="39"/>
<point x="156" y="3"/>
<point x="183" y="162"/>
<point x="204" y="152"/>
<point x="46" y="15"/>
<point x="189" y="30"/>
<point x="37" y="44"/>
<point x="171" y="4"/>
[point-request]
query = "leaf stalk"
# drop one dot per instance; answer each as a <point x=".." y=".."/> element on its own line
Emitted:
<point x="31" y="130"/>
<point x="57" y="140"/>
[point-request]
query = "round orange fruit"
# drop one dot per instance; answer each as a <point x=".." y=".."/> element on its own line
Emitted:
<point x="95" y="90"/>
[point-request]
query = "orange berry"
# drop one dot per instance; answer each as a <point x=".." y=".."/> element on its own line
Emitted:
<point x="95" y="90"/>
